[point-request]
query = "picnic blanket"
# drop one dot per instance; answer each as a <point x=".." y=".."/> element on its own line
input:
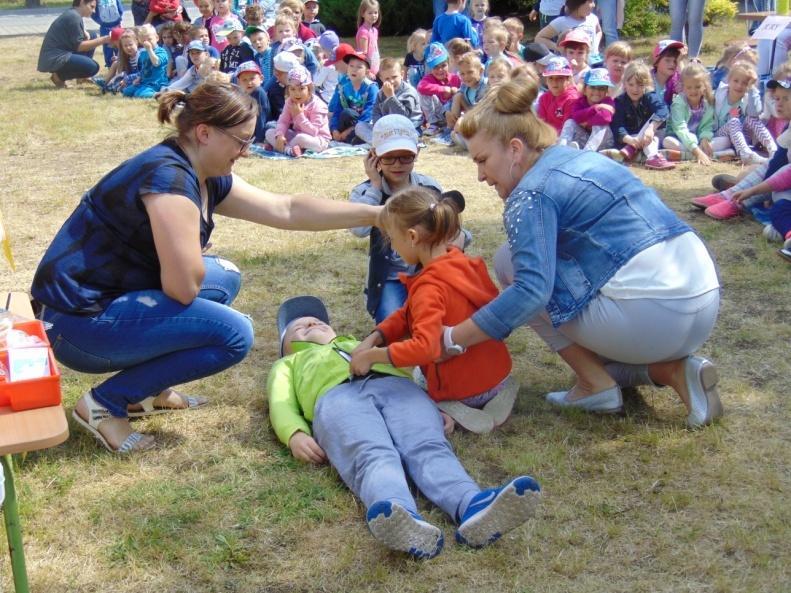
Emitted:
<point x="336" y="150"/>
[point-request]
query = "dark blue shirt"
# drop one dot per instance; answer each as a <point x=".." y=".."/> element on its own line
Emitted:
<point x="106" y="248"/>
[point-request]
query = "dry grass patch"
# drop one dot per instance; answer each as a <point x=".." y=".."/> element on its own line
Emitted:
<point x="633" y="503"/>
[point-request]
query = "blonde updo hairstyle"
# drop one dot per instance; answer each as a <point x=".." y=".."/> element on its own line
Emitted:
<point x="217" y="104"/>
<point x="434" y="217"/>
<point x="506" y="112"/>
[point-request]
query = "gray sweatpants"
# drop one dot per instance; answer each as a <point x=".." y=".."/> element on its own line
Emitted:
<point x="373" y="429"/>
<point x="631" y="331"/>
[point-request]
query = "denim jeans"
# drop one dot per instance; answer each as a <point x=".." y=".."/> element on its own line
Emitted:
<point x="154" y="341"/>
<point x="107" y="49"/>
<point x="393" y="298"/>
<point x="686" y="16"/>
<point x="608" y="11"/>
<point x="79" y="65"/>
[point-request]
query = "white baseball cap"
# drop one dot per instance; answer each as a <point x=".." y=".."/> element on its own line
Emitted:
<point x="285" y="61"/>
<point x="394" y="132"/>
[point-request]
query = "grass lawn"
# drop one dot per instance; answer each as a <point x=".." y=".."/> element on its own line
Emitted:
<point x="632" y="503"/>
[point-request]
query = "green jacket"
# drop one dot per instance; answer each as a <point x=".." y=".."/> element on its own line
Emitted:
<point x="680" y="113"/>
<point x="297" y="381"/>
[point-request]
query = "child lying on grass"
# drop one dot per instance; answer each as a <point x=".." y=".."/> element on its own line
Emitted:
<point x="373" y="428"/>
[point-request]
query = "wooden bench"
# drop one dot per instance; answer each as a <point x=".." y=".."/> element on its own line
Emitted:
<point x="20" y="432"/>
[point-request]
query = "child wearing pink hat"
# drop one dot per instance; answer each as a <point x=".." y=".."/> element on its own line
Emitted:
<point x="667" y="68"/>
<point x="303" y="124"/>
<point x="554" y="106"/>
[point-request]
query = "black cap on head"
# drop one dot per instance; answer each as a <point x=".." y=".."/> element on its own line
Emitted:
<point x="535" y="51"/>
<point x="455" y="196"/>
<point x="296" y="307"/>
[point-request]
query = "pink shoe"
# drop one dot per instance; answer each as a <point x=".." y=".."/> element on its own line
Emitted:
<point x="659" y="163"/>
<point x="723" y="211"/>
<point x="628" y="152"/>
<point x="296" y="151"/>
<point x="704" y="202"/>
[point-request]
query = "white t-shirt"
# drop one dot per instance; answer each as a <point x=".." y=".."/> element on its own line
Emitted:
<point x="590" y="25"/>
<point x="551" y="7"/>
<point x="677" y="268"/>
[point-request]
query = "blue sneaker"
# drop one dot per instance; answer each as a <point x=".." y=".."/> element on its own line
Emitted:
<point x="496" y="511"/>
<point x="404" y="531"/>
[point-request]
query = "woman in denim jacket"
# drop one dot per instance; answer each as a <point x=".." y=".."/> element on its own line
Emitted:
<point x="601" y="269"/>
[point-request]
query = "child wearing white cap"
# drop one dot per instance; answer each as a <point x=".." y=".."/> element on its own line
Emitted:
<point x="275" y="87"/>
<point x="303" y="124"/>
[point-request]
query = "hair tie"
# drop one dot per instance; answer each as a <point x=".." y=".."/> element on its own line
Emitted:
<point x="432" y="206"/>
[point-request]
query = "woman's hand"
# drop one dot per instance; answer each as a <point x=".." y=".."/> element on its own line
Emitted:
<point x="305" y="448"/>
<point x="371" y="164"/>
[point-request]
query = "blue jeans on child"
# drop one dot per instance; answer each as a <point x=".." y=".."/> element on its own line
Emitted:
<point x="374" y="428"/>
<point x="154" y="341"/>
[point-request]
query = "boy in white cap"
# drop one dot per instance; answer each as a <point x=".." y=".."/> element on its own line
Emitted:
<point x="275" y="87"/>
<point x="235" y="52"/>
<point x="375" y="430"/>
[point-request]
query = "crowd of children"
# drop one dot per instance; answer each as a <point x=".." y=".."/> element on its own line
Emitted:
<point x="655" y="111"/>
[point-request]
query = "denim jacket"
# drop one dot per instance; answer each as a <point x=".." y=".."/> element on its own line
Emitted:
<point x="572" y="221"/>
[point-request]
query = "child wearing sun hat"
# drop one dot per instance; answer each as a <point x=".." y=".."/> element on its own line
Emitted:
<point x="591" y="114"/>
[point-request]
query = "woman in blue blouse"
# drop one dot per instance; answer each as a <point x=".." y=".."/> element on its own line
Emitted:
<point x="603" y="271"/>
<point x="125" y="283"/>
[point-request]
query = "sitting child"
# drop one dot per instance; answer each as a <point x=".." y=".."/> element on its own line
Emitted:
<point x="302" y="124"/>
<point x="737" y="110"/>
<point x="153" y="65"/>
<point x="235" y="51"/>
<point x="690" y="128"/>
<point x="473" y="89"/>
<point x="262" y="53"/>
<point x="666" y="73"/>
<point x="639" y="114"/>
<point x="197" y="54"/>
<point x="250" y="79"/>
<point x="437" y="88"/>
<point x="474" y="387"/>
<point x="770" y="180"/>
<point x="498" y="71"/>
<point x="326" y="79"/>
<point x="589" y="125"/>
<point x="389" y="167"/>
<point x="370" y="429"/>
<point x="769" y="115"/>
<point x="125" y="68"/>
<point x="395" y="97"/>
<point x="495" y="41"/>
<point x="616" y="57"/>
<point x="353" y="101"/>
<point x="275" y="87"/>
<point x="413" y="61"/>
<point x="554" y="106"/>
<point x="574" y="46"/>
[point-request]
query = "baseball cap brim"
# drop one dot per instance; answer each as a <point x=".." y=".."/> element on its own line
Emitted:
<point x="773" y="84"/>
<point x="296" y="307"/>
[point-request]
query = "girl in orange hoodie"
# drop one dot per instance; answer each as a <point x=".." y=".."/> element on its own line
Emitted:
<point x="474" y="388"/>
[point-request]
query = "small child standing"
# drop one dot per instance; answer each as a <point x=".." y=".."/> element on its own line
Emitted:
<point x="554" y="106"/>
<point x="448" y="289"/>
<point x="390" y="168"/>
<point x="690" y="128"/>
<point x="206" y="9"/>
<point x="249" y="79"/>
<point x="153" y="65"/>
<point x="639" y="114"/>
<point x="479" y="10"/>
<point x="369" y="19"/>
<point x="395" y="97"/>
<point x="302" y="124"/>
<point x="108" y="15"/>
<point x="353" y="101"/>
<point x="667" y="54"/>
<point x="310" y="17"/>
<point x="453" y="23"/>
<point x="545" y="11"/>
<point x="616" y="57"/>
<point x="437" y="87"/>
<point x="375" y="431"/>
<point x="589" y="125"/>
<point x="221" y="20"/>
<point x="413" y="62"/>
<point x="737" y="110"/>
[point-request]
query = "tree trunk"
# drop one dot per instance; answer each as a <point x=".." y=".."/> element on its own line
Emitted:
<point x="32" y="3"/>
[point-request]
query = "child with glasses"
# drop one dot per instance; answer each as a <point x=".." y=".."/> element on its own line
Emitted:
<point x="389" y="167"/>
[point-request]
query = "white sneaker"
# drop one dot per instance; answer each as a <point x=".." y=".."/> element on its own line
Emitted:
<point x="770" y="234"/>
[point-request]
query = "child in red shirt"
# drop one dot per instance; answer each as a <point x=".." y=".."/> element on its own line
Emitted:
<point x="554" y="106"/>
<point x="475" y="387"/>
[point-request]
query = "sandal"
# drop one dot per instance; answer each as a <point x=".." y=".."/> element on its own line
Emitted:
<point x="149" y="409"/>
<point x="472" y="419"/>
<point x="97" y="414"/>
<point x="501" y="405"/>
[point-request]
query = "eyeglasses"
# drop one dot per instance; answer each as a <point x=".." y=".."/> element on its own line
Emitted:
<point x="406" y="159"/>
<point x="243" y="144"/>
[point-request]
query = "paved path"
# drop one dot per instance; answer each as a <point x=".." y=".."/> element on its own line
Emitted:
<point x="36" y="21"/>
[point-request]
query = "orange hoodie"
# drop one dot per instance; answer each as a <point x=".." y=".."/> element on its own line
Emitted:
<point x="446" y="292"/>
